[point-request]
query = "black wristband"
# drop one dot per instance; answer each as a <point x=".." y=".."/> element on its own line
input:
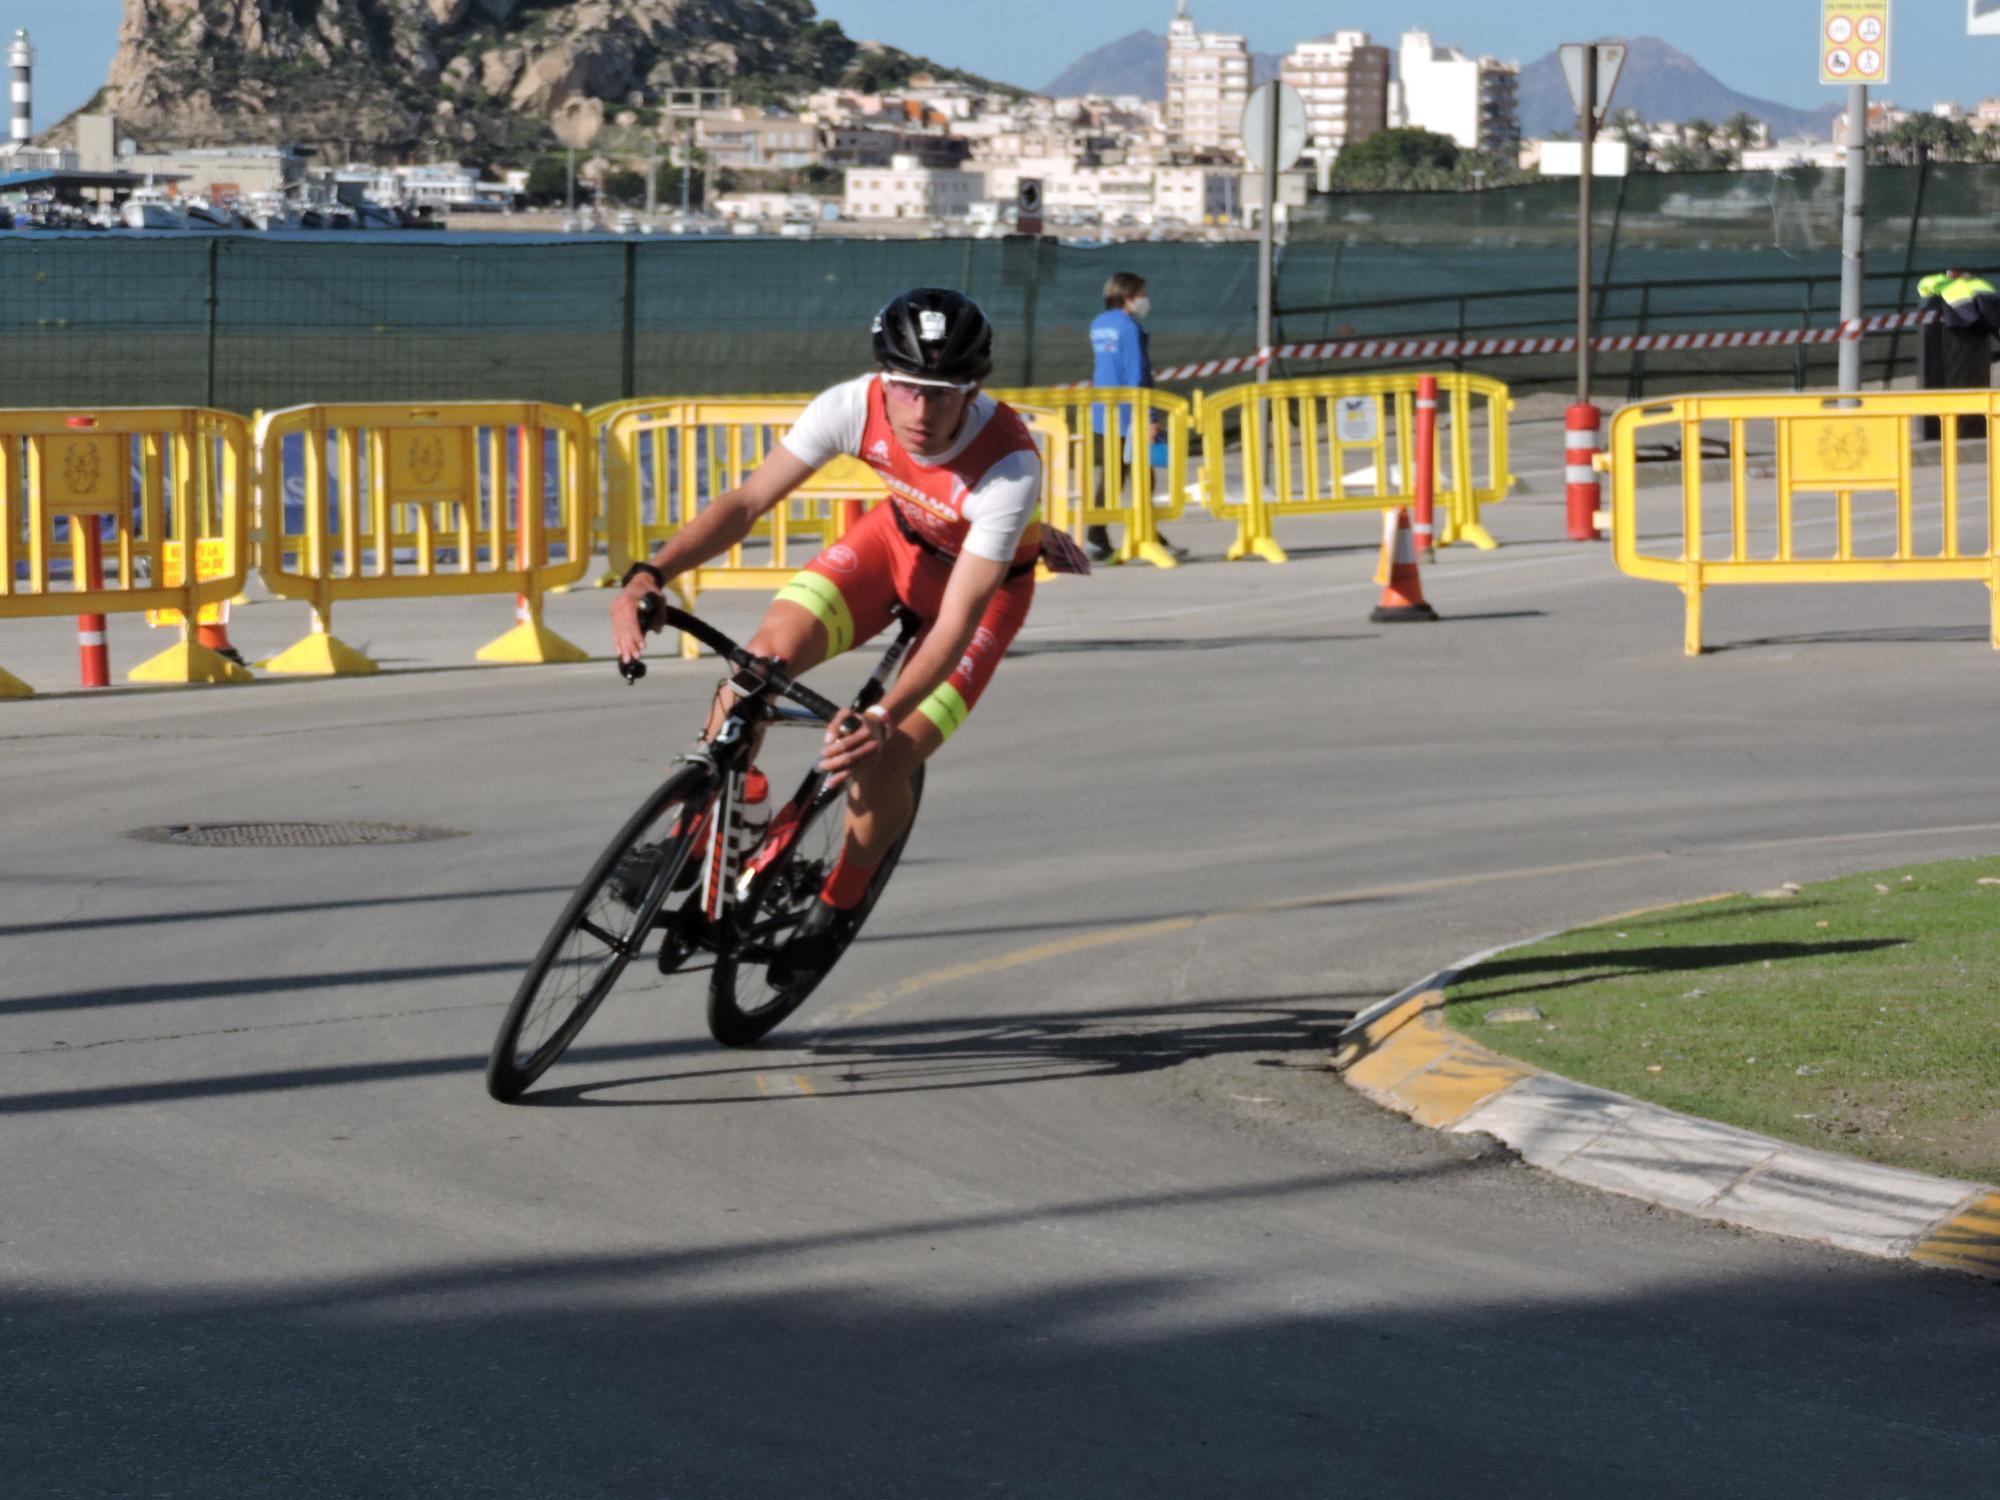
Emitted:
<point x="659" y="578"/>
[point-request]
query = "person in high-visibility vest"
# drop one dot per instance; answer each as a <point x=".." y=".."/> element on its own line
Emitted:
<point x="1961" y="359"/>
<point x="1967" y="303"/>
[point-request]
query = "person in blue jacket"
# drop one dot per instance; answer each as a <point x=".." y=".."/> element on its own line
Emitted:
<point x="1118" y="341"/>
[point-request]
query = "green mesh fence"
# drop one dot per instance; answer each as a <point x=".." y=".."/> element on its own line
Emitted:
<point x="242" y="321"/>
<point x="245" y="322"/>
<point x="1673" y="252"/>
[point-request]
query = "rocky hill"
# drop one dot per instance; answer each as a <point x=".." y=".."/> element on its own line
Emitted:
<point x="481" y="78"/>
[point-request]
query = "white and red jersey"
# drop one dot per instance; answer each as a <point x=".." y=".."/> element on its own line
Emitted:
<point x="980" y="495"/>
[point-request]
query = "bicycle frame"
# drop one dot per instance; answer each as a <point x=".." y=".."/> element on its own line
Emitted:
<point x="729" y="870"/>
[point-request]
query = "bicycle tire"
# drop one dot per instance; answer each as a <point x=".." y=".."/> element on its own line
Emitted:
<point x="736" y="1024"/>
<point x="551" y="1028"/>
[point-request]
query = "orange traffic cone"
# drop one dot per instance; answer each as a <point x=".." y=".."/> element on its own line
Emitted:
<point x="1402" y="590"/>
<point x="216" y="638"/>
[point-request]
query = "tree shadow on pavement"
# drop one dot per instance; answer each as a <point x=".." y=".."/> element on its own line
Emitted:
<point x="851" y="1359"/>
<point x="1565" y="970"/>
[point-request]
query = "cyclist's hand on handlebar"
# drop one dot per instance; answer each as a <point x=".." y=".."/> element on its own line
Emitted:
<point x="627" y="639"/>
<point x="851" y="739"/>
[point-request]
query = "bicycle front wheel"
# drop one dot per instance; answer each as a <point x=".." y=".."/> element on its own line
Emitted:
<point x="742" y="1003"/>
<point x="601" y="930"/>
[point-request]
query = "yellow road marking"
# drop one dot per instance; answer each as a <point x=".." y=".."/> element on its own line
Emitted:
<point x="1970" y="1242"/>
<point x="803" y="1084"/>
<point x="763" y="1087"/>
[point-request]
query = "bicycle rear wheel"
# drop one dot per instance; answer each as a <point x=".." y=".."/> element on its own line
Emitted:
<point x="603" y="928"/>
<point x="742" y="1004"/>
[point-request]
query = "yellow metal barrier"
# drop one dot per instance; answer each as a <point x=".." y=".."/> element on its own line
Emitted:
<point x="666" y="459"/>
<point x="411" y="502"/>
<point x="1298" y="440"/>
<point x="1103" y="481"/>
<point x="1833" y="449"/>
<point x="164" y="479"/>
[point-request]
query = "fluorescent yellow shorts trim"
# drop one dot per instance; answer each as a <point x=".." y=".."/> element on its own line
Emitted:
<point x="946" y="707"/>
<point x="821" y="598"/>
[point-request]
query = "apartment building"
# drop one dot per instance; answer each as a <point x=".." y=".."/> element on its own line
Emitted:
<point x="1208" y="83"/>
<point x="908" y="189"/>
<point x="753" y="141"/>
<point x="1474" y="100"/>
<point x="1344" y="81"/>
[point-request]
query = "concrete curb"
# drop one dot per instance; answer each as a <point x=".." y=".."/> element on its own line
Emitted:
<point x="1401" y="1054"/>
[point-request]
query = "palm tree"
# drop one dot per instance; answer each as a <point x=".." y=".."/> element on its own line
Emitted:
<point x="1743" y="130"/>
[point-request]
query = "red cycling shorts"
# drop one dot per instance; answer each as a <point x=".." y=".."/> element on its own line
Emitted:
<point x="852" y="586"/>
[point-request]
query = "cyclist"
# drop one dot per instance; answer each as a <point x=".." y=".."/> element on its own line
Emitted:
<point x="957" y="542"/>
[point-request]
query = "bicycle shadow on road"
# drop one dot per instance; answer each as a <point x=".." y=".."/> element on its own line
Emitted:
<point x="939" y="1055"/>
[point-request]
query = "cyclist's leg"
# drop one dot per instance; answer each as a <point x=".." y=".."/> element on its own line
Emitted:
<point x="879" y="799"/>
<point x="837" y="601"/>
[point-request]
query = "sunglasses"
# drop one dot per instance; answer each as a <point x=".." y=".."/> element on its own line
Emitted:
<point x="911" y="389"/>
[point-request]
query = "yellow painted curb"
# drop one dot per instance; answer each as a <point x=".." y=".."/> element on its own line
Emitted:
<point x="1409" y="1060"/>
<point x="12" y="686"/>
<point x="1970" y="1242"/>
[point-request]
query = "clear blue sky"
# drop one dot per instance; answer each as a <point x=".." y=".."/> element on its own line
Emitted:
<point x="1761" y="47"/>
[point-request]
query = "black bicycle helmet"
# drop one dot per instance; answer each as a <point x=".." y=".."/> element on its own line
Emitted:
<point x="934" y="332"/>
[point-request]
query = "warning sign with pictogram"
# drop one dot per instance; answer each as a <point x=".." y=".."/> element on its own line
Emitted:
<point x="1854" y="41"/>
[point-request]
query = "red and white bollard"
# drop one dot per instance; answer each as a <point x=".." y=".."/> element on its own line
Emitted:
<point x="1580" y="443"/>
<point x="1424" y="479"/>
<point x="92" y="652"/>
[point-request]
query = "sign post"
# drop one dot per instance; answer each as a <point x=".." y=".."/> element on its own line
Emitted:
<point x="1274" y="135"/>
<point x="1853" y="53"/>
<point x="1591" y="70"/>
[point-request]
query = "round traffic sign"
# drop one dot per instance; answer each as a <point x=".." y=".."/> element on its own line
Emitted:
<point x="1868" y="60"/>
<point x="1870" y="29"/>
<point x="1839" y="61"/>
<point x="1291" y="125"/>
<point x="1840" y="30"/>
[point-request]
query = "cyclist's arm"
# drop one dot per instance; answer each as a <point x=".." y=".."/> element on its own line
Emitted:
<point x="714" y="530"/>
<point x="727" y="520"/>
<point x="973" y="582"/>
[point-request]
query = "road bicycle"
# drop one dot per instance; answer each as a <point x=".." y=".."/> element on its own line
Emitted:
<point x="740" y="892"/>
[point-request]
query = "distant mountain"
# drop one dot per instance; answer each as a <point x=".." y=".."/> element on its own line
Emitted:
<point x="1136" y="64"/>
<point x="1662" y="83"/>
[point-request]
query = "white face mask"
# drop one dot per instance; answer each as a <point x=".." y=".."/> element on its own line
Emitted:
<point x="1139" y="306"/>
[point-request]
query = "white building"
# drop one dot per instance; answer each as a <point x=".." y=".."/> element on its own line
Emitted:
<point x="1344" y="81"/>
<point x="905" y="189"/>
<point x="1134" y="192"/>
<point x="1208" y="83"/>
<point x="1474" y="100"/>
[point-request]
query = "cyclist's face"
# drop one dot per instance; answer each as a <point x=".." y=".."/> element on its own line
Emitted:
<point x="925" y="418"/>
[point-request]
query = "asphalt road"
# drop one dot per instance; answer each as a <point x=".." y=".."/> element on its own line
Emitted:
<point x="1049" y="1193"/>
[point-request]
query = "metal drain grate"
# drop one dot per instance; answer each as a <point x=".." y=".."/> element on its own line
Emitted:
<point x="290" y="835"/>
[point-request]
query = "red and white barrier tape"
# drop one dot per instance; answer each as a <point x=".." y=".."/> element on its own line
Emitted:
<point x="1621" y="343"/>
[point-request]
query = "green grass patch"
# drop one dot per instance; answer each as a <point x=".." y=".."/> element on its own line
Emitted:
<point x="1858" y="1015"/>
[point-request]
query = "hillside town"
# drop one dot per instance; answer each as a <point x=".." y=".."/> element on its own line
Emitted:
<point x="937" y="154"/>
